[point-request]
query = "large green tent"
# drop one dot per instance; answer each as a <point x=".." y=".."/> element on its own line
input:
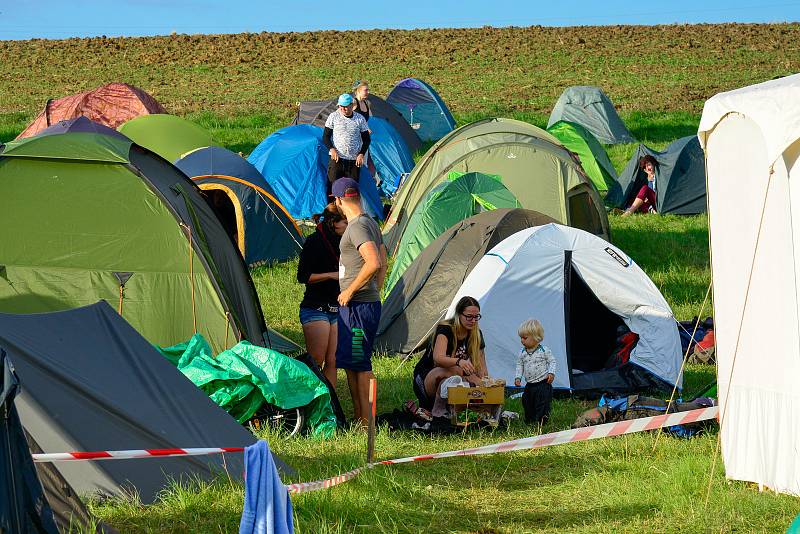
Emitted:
<point x="534" y="165"/>
<point x="169" y="136"/>
<point x="459" y="197"/>
<point x="593" y="156"/>
<point x="90" y="216"/>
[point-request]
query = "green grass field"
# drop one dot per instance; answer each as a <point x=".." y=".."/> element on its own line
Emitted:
<point x="244" y="87"/>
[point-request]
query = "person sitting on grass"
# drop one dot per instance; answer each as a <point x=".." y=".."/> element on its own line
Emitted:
<point x="456" y="350"/>
<point x="645" y="201"/>
<point x="537" y="366"/>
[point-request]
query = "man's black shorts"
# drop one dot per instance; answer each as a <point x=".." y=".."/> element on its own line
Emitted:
<point x="344" y="168"/>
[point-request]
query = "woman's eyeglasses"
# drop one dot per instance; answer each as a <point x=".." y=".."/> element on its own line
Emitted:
<point x="471" y="317"/>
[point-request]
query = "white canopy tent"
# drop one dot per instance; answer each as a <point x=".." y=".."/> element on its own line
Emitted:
<point x="752" y="141"/>
<point x="582" y="289"/>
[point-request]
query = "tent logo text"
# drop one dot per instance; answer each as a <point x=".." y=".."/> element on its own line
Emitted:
<point x="617" y="257"/>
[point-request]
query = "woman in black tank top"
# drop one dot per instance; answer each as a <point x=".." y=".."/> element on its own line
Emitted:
<point x="361" y="92"/>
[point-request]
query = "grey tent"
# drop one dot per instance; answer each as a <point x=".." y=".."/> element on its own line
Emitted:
<point x="591" y="108"/>
<point x="420" y="297"/>
<point x="92" y="383"/>
<point x="680" y="178"/>
<point x="316" y="112"/>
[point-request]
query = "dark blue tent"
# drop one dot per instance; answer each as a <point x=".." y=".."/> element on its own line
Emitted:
<point x="23" y="506"/>
<point x="80" y="124"/>
<point x="423" y="108"/>
<point x="389" y="154"/>
<point x="294" y="162"/>
<point x="260" y="225"/>
<point x="680" y="178"/>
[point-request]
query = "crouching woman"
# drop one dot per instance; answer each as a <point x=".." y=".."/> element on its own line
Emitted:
<point x="456" y="349"/>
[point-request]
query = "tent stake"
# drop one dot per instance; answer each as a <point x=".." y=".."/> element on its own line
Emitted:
<point x="373" y="401"/>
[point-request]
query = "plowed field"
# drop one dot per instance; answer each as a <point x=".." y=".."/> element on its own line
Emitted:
<point x="484" y="70"/>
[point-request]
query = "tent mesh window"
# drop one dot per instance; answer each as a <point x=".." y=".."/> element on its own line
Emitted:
<point x="583" y="214"/>
<point x="591" y="327"/>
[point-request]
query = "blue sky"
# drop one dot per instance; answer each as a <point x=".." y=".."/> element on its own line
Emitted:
<point x="25" y="19"/>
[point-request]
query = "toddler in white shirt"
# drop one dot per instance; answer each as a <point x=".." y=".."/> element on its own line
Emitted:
<point x="536" y="365"/>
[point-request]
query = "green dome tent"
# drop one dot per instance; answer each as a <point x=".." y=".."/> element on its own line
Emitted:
<point x="593" y="156"/>
<point x="98" y="217"/>
<point x="534" y="165"/>
<point x="460" y="197"/>
<point x="169" y="136"/>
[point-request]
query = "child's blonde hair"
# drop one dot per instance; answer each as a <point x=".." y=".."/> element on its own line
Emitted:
<point x="532" y="327"/>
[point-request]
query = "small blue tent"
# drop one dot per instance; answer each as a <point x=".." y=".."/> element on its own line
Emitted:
<point x="295" y="163"/>
<point x="423" y="108"/>
<point x="259" y="224"/>
<point x="389" y="153"/>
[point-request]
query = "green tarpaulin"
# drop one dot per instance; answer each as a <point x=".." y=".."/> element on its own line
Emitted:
<point x="245" y="376"/>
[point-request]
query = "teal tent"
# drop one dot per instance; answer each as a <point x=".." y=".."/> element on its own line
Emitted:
<point x="457" y="198"/>
<point x="680" y="178"/>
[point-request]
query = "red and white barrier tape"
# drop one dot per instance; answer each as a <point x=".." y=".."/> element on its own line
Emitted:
<point x="305" y="487"/>
<point x="127" y="455"/>
<point x="579" y="434"/>
<point x="536" y="442"/>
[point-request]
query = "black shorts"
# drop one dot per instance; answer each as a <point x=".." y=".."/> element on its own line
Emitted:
<point x="344" y="168"/>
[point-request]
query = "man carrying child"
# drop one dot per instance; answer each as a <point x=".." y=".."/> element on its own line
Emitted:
<point x="537" y="366"/>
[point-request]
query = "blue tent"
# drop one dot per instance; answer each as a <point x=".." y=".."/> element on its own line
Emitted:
<point x="295" y="163"/>
<point x="423" y="108"/>
<point x="259" y="224"/>
<point x="389" y="153"/>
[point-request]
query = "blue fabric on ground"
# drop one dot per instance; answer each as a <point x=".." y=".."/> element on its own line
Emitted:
<point x="267" y="506"/>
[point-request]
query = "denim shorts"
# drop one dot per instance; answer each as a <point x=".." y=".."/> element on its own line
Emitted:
<point x="310" y="315"/>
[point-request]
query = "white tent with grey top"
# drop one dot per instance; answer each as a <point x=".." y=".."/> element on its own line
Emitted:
<point x="585" y="292"/>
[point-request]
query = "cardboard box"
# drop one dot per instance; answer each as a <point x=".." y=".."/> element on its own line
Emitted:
<point x="476" y="395"/>
<point x="486" y="401"/>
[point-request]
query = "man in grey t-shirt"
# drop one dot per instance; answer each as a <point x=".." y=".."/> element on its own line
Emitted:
<point x="362" y="270"/>
<point x="347" y="137"/>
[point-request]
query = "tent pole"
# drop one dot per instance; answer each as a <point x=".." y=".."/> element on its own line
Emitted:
<point x="685" y="358"/>
<point x="191" y="277"/>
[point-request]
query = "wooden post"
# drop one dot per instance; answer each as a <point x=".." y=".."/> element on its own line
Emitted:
<point x="373" y="401"/>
